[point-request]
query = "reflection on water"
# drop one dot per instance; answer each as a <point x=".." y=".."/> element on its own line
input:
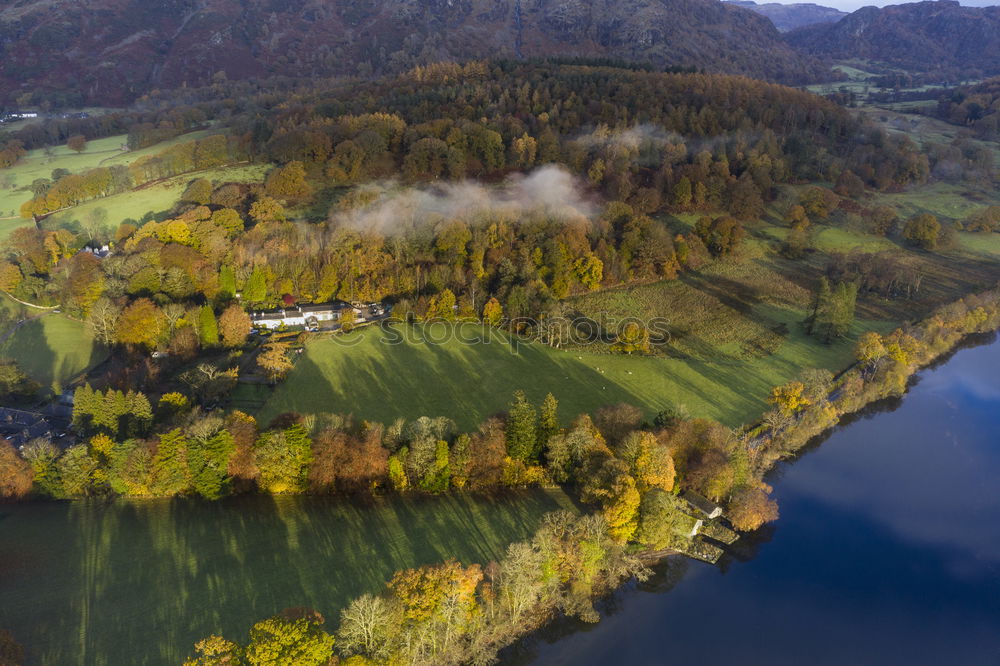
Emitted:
<point x="137" y="583"/>
<point x="887" y="551"/>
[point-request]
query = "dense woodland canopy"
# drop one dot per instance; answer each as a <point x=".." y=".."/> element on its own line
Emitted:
<point x="359" y="206"/>
<point x="372" y="199"/>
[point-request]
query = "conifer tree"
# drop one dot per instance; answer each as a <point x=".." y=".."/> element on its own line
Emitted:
<point x="208" y="327"/>
<point x="521" y="429"/>
<point x="255" y="290"/>
<point x="209" y="460"/>
<point x="842" y="316"/>
<point x="170" y="464"/>
<point x="227" y="281"/>
<point x="140" y="414"/>
<point x="548" y="423"/>
<point x="821" y="300"/>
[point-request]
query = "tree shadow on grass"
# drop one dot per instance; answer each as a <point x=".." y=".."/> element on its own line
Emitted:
<point x="466" y="382"/>
<point x="30" y="348"/>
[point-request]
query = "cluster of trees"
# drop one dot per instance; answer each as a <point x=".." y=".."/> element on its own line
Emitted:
<point x="10" y="153"/>
<point x="163" y="286"/>
<point x="448" y="613"/>
<point x="625" y="467"/>
<point x="809" y="405"/>
<point x="721" y="236"/>
<point x="884" y="273"/>
<point x="119" y="414"/>
<point x="681" y="139"/>
<point x="977" y="107"/>
<point x="72" y="189"/>
<point x="14" y="383"/>
<point x="203" y="255"/>
<point x="832" y="311"/>
<point x="923" y="231"/>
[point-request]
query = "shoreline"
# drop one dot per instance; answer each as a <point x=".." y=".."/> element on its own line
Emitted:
<point x="654" y="558"/>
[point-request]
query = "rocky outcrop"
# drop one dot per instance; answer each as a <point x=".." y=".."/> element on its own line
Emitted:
<point x="111" y="51"/>
<point x="792" y="16"/>
<point x="943" y="38"/>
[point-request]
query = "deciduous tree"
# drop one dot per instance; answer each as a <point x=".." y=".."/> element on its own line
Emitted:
<point x="141" y="324"/>
<point x="16" y="474"/>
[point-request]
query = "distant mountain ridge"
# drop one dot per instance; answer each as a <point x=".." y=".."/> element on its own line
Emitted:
<point x="939" y="37"/>
<point x="792" y="16"/>
<point x="111" y="51"/>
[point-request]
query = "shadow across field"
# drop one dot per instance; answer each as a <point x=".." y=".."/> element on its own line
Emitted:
<point x="468" y="380"/>
<point x="139" y="582"/>
<point x="52" y="349"/>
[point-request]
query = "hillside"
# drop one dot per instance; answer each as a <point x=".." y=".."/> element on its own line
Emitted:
<point x="942" y="38"/>
<point x="790" y="17"/>
<point x="976" y="107"/>
<point x="111" y="51"/>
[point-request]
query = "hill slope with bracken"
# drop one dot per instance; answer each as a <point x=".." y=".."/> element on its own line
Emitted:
<point x="942" y="38"/>
<point x="111" y="51"/>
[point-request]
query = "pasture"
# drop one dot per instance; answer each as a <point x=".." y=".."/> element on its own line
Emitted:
<point x="150" y="202"/>
<point x="217" y="567"/>
<point x="51" y="348"/>
<point x="108" y="151"/>
<point x="413" y="370"/>
<point x="735" y="331"/>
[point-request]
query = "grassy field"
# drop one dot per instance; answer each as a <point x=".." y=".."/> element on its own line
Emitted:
<point x="139" y="582"/>
<point x="734" y="332"/>
<point x="52" y="349"/>
<point x="102" y="152"/>
<point x="155" y="200"/>
<point x="41" y="164"/>
<point x="364" y="375"/>
<point x="946" y="201"/>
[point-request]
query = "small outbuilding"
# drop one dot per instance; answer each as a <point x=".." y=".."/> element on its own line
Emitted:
<point x="701" y="506"/>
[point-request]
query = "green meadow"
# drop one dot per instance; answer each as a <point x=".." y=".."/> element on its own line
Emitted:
<point x="409" y="372"/>
<point x="217" y="567"/>
<point x="735" y="331"/>
<point x="154" y="200"/>
<point x="51" y="348"/>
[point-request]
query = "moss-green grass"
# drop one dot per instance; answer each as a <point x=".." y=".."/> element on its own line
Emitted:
<point x="362" y="375"/>
<point x="52" y="349"/>
<point x="984" y="243"/>
<point x="945" y="201"/>
<point x="155" y="200"/>
<point x="734" y="332"/>
<point x="41" y="163"/>
<point x="139" y="582"/>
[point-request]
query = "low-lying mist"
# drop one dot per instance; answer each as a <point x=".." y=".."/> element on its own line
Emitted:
<point x="388" y="208"/>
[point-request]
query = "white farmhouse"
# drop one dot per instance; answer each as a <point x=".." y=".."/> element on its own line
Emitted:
<point x="300" y="315"/>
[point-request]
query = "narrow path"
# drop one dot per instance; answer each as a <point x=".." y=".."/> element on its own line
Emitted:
<point x="30" y="305"/>
<point x="19" y="324"/>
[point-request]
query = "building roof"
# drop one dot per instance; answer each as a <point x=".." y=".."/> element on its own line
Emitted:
<point x="701" y="504"/>
<point x="20" y="426"/>
<point x="270" y="314"/>
<point x="297" y="311"/>
<point x="318" y="309"/>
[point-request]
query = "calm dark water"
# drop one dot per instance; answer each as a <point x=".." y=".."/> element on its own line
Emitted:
<point x="887" y="552"/>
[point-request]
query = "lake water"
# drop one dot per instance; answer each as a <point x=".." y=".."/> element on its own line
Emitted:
<point x="887" y="552"/>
